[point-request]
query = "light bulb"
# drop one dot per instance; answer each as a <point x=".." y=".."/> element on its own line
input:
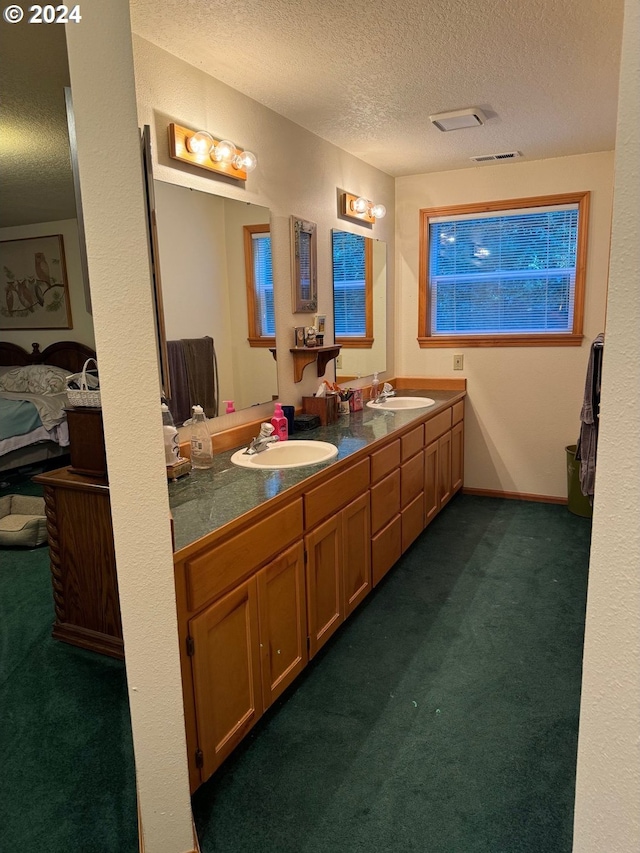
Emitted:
<point x="360" y="205"/>
<point x="224" y="151"/>
<point x="245" y="161"/>
<point x="200" y="143"/>
<point x="378" y="211"/>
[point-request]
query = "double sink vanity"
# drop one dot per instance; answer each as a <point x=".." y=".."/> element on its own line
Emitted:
<point x="269" y="561"/>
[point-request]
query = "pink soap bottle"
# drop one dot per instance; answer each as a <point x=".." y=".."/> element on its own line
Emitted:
<point x="280" y="423"/>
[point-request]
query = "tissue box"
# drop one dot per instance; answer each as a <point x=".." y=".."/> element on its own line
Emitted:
<point x="326" y="408"/>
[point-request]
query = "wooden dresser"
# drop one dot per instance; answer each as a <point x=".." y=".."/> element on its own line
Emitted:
<point x="83" y="567"/>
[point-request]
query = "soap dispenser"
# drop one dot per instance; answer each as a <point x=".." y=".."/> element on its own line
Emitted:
<point x="375" y="385"/>
<point x="201" y="451"/>
<point x="230" y="408"/>
<point x="280" y="423"/>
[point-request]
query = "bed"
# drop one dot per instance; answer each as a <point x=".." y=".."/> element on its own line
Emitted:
<point x="33" y="426"/>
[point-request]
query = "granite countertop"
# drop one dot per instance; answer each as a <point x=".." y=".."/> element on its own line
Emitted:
<point x="205" y="500"/>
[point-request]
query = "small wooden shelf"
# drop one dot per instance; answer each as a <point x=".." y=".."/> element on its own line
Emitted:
<point x="302" y="356"/>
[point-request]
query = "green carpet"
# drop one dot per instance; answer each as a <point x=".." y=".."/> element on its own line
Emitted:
<point x="67" y="783"/>
<point x="442" y="717"/>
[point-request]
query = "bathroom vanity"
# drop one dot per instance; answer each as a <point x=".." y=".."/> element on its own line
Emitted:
<point x="269" y="564"/>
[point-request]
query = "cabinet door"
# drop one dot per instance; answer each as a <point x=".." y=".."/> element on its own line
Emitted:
<point x="457" y="457"/>
<point x="356" y="552"/>
<point x="444" y="467"/>
<point x="385" y="500"/>
<point x="283" y="622"/>
<point x="431" y="484"/>
<point x="325" y="610"/>
<point x="226" y="673"/>
<point x="386" y="549"/>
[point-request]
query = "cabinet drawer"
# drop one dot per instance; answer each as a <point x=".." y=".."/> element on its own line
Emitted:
<point x="385" y="500"/>
<point x="412" y="521"/>
<point x="385" y="460"/>
<point x="326" y="499"/>
<point x="412" y="442"/>
<point x="386" y="549"/>
<point x="457" y="412"/>
<point x="411" y="478"/>
<point x="437" y="426"/>
<point x="218" y="569"/>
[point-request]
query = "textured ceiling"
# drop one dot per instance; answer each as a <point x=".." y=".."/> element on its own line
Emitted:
<point x="363" y="76"/>
<point x="366" y="76"/>
<point x="35" y="170"/>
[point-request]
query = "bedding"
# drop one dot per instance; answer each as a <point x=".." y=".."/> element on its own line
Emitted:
<point x="32" y="402"/>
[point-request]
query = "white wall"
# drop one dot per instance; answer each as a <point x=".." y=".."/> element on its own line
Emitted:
<point x="297" y="174"/>
<point x="523" y="403"/>
<point x="114" y="217"/>
<point x="82" y="330"/>
<point x="607" y="813"/>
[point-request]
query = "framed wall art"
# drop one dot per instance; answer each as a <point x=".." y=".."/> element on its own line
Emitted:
<point x="34" y="292"/>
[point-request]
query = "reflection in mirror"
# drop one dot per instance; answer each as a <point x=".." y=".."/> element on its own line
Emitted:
<point x="359" y="304"/>
<point x="217" y="283"/>
<point x="304" y="265"/>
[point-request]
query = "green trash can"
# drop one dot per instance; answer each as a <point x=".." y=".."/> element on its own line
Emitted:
<point x="577" y="503"/>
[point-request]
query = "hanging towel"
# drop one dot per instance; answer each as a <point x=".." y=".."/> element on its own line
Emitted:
<point x="199" y="356"/>
<point x="179" y="402"/>
<point x="589" y="414"/>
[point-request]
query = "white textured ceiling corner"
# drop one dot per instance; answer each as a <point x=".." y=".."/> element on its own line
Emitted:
<point x="367" y="76"/>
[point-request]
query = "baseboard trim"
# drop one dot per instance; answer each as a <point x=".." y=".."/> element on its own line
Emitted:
<point x="513" y="496"/>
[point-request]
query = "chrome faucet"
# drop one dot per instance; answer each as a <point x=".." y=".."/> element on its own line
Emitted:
<point x="384" y="394"/>
<point x="262" y="440"/>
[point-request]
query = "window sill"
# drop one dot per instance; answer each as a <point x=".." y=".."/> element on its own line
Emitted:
<point x="355" y="343"/>
<point x="558" y="340"/>
<point x="262" y="342"/>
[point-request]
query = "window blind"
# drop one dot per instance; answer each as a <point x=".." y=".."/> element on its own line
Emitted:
<point x="349" y="285"/>
<point x="263" y="283"/>
<point x="503" y="273"/>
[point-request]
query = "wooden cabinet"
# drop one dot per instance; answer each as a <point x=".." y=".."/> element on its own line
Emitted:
<point x="257" y="602"/>
<point x="338" y="569"/>
<point x="283" y="622"/>
<point x="356" y="552"/>
<point x="325" y="605"/>
<point x="226" y="674"/>
<point x="245" y="649"/>
<point x="82" y="559"/>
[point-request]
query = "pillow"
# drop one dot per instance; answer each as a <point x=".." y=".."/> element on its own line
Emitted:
<point x="34" y="379"/>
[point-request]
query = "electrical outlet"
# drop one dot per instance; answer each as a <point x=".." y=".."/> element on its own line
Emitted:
<point x="339" y="362"/>
<point x="458" y="362"/>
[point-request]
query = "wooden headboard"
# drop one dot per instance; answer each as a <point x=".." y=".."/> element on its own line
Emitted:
<point x="69" y="355"/>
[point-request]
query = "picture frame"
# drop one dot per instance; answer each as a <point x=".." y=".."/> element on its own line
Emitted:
<point x="304" y="273"/>
<point x="34" y="290"/>
<point x="320" y="321"/>
<point x="299" y="333"/>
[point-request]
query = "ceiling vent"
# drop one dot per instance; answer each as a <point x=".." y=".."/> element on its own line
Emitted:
<point x="457" y="119"/>
<point x="486" y="158"/>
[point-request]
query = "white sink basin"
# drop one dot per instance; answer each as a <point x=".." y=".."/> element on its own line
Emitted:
<point x="287" y="454"/>
<point x="397" y="404"/>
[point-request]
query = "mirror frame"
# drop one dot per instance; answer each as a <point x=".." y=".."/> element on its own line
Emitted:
<point x="304" y="242"/>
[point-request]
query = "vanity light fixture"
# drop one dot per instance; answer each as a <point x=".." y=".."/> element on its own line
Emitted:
<point x="360" y="208"/>
<point x="200" y="148"/>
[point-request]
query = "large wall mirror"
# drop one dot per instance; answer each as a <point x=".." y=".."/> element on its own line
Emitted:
<point x="359" y="304"/>
<point x="217" y="283"/>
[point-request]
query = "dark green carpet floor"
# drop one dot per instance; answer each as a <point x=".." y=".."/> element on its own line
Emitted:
<point x="67" y="783"/>
<point x="442" y="718"/>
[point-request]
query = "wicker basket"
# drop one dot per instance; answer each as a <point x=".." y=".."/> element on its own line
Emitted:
<point x="83" y="396"/>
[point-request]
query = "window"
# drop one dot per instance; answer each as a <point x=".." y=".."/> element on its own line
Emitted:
<point x="506" y="273"/>
<point x="259" y="275"/>
<point x="353" y="289"/>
